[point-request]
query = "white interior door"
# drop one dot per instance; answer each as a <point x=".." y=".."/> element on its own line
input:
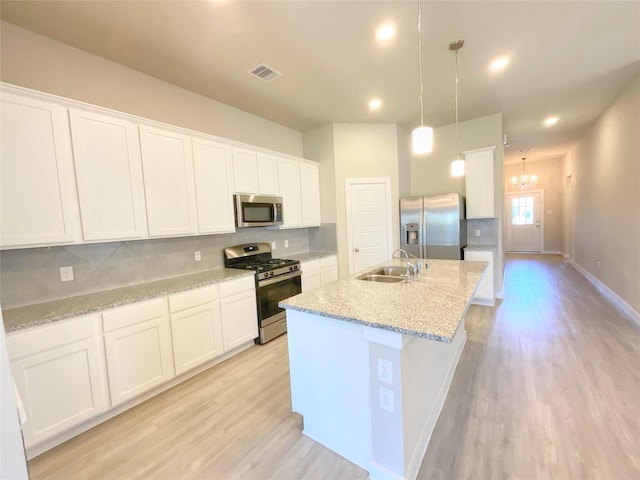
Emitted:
<point x="524" y="228"/>
<point x="368" y="222"/>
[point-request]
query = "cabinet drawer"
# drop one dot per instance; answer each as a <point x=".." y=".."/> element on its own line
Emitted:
<point x="135" y="313"/>
<point x="237" y="286"/>
<point x="192" y="298"/>
<point x="40" y="339"/>
<point x="310" y="266"/>
<point x="331" y="261"/>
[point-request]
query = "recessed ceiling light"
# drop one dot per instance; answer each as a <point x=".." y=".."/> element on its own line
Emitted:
<point x="499" y="63"/>
<point x="385" y="32"/>
<point x="375" y="104"/>
<point x="551" y="121"/>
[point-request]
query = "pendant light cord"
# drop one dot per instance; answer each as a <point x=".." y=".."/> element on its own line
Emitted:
<point x="420" y="59"/>
<point x="457" y="133"/>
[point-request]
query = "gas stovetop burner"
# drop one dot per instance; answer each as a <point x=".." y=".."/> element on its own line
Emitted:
<point x="257" y="256"/>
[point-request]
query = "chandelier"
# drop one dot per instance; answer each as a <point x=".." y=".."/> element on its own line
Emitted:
<point x="524" y="181"/>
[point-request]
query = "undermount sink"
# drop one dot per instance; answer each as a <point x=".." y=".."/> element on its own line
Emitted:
<point x="392" y="270"/>
<point x="382" y="278"/>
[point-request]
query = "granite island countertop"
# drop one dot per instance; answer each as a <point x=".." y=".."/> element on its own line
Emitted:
<point x="431" y="306"/>
<point x="42" y="313"/>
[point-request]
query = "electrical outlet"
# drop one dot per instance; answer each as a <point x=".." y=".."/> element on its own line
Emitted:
<point x="386" y="400"/>
<point x="197" y="255"/>
<point x="66" y="274"/>
<point x="385" y="372"/>
<point x="477" y="232"/>
<point x="286" y="244"/>
<point x="273" y="245"/>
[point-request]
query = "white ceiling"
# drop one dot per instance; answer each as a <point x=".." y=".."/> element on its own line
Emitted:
<point x="568" y="59"/>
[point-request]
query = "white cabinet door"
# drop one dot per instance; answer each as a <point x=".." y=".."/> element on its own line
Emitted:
<point x="329" y="269"/>
<point x="106" y="151"/>
<point x="196" y="328"/>
<point x="168" y="180"/>
<point x="484" y="294"/>
<point x="310" y="194"/>
<point x="479" y="183"/>
<point x="239" y="312"/>
<point x="245" y="170"/>
<point x="60" y="374"/>
<point x="138" y="348"/>
<point x="38" y="203"/>
<point x="213" y="169"/>
<point x="311" y="275"/>
<point x="267" y="174"/>
<point x="289" y="180"/>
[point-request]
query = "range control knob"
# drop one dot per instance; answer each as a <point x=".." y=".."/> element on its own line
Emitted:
<point x="271" y="274"/>
<point x="290" y="269"/>
<point x="265" y="274"/>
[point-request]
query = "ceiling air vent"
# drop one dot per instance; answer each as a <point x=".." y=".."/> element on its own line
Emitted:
<point x="264" y="73"/>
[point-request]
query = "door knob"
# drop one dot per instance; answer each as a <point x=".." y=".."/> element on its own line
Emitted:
<point x="357" y="249"/>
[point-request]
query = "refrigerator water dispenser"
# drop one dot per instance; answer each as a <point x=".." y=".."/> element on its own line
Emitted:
<point x="412" y="230"/>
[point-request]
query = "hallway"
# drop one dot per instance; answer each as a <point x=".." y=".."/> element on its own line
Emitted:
<point x="548" y="385"/>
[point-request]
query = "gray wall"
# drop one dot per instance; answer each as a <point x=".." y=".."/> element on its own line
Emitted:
<point x="605" y="171"/>
<point x="36" y="62"/>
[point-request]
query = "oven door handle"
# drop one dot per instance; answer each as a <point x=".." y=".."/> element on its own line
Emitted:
<point x="279" y="278"/>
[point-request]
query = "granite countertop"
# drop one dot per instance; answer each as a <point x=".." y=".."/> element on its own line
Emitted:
<point x="429" y="307"/>
<point x="39" y="314"/>
<point x="309" y="256"/>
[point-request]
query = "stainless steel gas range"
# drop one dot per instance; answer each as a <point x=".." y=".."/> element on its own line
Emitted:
<point x="276" y="279"/>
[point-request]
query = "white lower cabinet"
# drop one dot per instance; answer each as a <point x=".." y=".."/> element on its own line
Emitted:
<point x="60" y="375"/>
<point x="484" y="294"/>
<point x="311" y="276"/>
<point x="196" y="327"/>
<point x="329" y="269"/>
<point x="137" y="341"/>
<point x="239" y="312"/>
<point x="319" y="272"/>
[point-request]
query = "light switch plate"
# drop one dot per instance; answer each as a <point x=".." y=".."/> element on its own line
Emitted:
<point x="197" y="256"/>
<point x="273" y="245"/>
<point x="477" y="232"/>
<point x="286" y="244"/>
<point x="386" y="400"/>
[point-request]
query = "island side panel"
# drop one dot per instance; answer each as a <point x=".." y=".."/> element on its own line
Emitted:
<point x="329" y="368"/>
<point x="427" y="372"/>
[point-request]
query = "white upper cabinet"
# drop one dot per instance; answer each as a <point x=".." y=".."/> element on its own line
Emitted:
<point x="213" y="169"/>
<point x="310" y="194"/>
<point x="479" y="183"/>
<point x="168" y="180"/>
<point x="289" y="180"/>
<point x="267" y="174"/>
<point x="255" y="172"/>
<point x="106" y="151"/>
<point x="245" y="170"/>
<point x="37" y="191"/>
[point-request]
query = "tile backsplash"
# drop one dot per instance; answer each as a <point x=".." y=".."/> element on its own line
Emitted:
<point x="323" y="238"/>
<point x="32" y="275"/>
<point x="488" y="231"/>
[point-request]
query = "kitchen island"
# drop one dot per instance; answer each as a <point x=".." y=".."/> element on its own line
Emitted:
<point x="371" y="363"/>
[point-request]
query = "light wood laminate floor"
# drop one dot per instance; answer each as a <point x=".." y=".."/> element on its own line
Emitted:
<point x="548" y="387"/>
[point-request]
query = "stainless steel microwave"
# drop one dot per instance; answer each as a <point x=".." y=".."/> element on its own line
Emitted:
<point x="257" y="211"/>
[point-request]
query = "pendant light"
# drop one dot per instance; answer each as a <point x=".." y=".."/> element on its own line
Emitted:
<point x="524" y="181"/>
<point x="457" y="166"/>
<point x="422" y="137"/>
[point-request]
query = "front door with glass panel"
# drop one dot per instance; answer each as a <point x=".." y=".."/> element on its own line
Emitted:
<point x="523" y="222"/>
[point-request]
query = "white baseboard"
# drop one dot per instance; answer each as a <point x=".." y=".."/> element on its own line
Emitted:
<point x="566" y="255"/>
<point x="622" y="306"/>
<point x="551" y="252"/>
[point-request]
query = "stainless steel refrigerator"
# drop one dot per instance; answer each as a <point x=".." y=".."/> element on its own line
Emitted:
<point x="433" y="226"/>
